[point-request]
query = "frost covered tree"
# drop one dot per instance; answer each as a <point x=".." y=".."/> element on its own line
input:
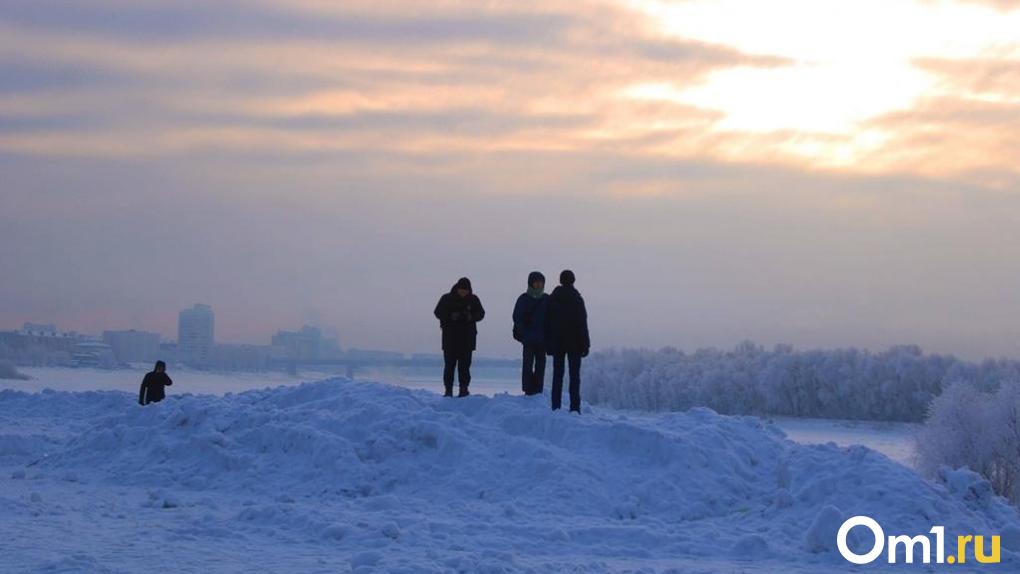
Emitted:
<point x="893" y="385"/>
<point x="977" y="428"/>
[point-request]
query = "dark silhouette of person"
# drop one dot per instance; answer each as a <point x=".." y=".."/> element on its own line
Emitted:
<point x="153" y="384"/>
<point x="567" y="338"/>
<point x="458" y="312"/>
<point x="529" y="329"/>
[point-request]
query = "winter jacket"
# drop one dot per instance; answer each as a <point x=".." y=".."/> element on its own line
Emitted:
<point x="529" y="319"/>
<point x="566" y="322"/>
<point x="457" y="317"/>
<point x="152" y="388"/>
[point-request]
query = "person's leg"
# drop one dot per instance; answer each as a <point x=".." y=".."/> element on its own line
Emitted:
<point x="527" y="360"/>
<point x="557" y="381"/>
<point x="539" y="375"/>
<point x="575" y="381"/>
<point x="464" y="373"/>
<point x="449" y="363"/>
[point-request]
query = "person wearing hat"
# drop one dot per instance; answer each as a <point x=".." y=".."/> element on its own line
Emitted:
<point x="567" y="338"/>
<point x="529" y="329"/>
<point x="152" y="390"/>
<point x="458" y="312"/>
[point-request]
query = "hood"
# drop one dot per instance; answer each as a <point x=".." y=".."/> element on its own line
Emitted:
<point x="462" y="283"/>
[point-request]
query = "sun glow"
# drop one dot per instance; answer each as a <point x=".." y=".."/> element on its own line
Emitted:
<point x="851" y="62"/>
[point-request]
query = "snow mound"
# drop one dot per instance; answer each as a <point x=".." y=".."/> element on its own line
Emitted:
<point x="383" y="476"/>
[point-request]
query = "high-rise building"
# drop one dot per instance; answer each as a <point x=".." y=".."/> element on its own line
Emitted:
<point x="195" y="336"/>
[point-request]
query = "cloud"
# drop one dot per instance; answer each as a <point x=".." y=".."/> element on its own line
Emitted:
<point x="1003" y="5"/>
<point x="968" y="130"/>
<point x="163" y="20"/>
<point x="19" y="76"/>
<point x="996" y="78"/>
<point x="313" y="76"/>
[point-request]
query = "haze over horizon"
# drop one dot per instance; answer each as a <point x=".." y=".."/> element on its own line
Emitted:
<point x="801" y="171"/>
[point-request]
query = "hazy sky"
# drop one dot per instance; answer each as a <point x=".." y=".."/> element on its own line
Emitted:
<point x="803" y="171"/>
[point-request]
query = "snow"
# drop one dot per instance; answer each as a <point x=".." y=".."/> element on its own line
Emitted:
<point x="895" y="440"/>
<point x="485" y="380"/>
<point x="821" y="535"/>
<point x="341" y="476"/>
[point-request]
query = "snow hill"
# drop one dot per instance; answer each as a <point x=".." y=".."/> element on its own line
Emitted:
<point x="341" y="476"/>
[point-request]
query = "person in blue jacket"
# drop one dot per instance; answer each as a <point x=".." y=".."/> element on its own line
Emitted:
<point x="529" y="329"/>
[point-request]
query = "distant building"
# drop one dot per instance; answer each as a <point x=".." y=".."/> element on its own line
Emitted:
<point x="39" y="330"/>
<point x="133" y="346"/>
<point x="240" y="357"/>
<point x="93" y="354"/>
<point x="37" y="345"/>
<point x="195" y="340"/>
<point x="168" y="352"/>
<point x="308" y="343"/>
<point x="329" y="344"/>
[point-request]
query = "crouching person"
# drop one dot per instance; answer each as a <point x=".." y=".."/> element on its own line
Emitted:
<point x="153" y="384"/>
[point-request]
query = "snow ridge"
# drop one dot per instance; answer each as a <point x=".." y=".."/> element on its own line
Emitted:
<point x="371" y="476"/>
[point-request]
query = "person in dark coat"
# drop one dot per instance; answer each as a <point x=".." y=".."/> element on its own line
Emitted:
<point x="153" y="383"/>
<point x="529" y="329"/>
<point x="566" y="338"/>
<point x="458" y="312"/>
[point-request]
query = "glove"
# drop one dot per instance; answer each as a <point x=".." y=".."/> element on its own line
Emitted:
<point x="584" y="353"/>
<point x="455" y="316"/>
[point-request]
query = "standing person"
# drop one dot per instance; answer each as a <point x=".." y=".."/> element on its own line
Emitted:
<point x="153" y="383"/>
<point x="567" y="338"/>
<point x="529" y="329"/>
<point x="458" y="312"/>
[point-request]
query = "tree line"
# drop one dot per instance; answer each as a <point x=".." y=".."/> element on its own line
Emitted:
<point x="897" y="384"/>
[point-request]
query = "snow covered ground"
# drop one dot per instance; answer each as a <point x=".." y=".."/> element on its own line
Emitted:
<point x="341" y="476"/>
<point x="895" y="440"/>
<point x="485" y="380"/>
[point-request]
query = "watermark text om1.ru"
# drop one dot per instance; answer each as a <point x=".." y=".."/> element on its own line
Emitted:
<point x="910" y="543"/>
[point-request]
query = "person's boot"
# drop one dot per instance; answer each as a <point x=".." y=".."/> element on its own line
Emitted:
<point x="463" y="392"/>
<point x="448" y="392"/>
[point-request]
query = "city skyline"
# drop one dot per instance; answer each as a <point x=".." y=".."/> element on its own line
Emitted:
<point x="196" y="347"/>
<point x="281" y="337"/>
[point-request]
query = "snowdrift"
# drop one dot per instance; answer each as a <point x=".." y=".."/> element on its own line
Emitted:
<point x="363" y="476"/>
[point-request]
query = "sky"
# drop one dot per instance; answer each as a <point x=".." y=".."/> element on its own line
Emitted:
<point x="810" y="172"/>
